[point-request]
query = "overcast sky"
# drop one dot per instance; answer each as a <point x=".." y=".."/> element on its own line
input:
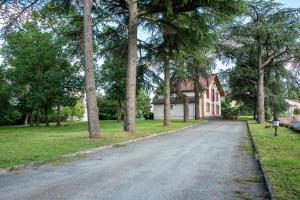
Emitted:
<point x="290" y="3"/>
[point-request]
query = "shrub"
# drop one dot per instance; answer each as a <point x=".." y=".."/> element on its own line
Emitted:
<point x="297" y="111"/>
<point x="268" y="116"/>
<point x="229" y="112"/>
<point x="149" y="116"/>
<point x="105" y="116"/>
<point x="107" y="108"/>
<point x="10" y="117"/>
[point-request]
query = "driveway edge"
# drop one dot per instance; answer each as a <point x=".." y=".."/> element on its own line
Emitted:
<point x="89" y="151"/>
<point x="267" y="183"/>
<point x="126" y="142"/>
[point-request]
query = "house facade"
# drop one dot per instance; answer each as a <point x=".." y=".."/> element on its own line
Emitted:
<point x="209" y="100"/>
<point x="293" y="104"/>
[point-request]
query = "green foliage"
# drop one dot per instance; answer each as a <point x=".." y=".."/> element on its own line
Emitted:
<point x="10" y="117"/>
<point x="31" y="55"/>
<point x="107" y="108"/>
<point x="274" y="31"/>
<point x="66" y="24"/>
<point x="111" y="75"/>
<point x="143" y="104"/>
<point x="277" y="103"/>
<point x="77" y="111"/>
<point x="275" y="92"/>
<point x="229" y="112"/>
<point x="246" y="109"/>
<point x="8" y="113"/>
<point x="268" y="115"/>
<point x="242" y="83"/>
<point x="293" y="82"/>
<point x="297" y="111"/>
<point x="149" y="115"/>
<point x="39" y="75"/>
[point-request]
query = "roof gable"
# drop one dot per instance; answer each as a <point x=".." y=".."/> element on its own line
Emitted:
<point x="187" y="85"/>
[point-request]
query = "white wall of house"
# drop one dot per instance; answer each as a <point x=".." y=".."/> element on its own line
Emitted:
<point x="207" y="105"/>
<point x="292" y="106"/>
<point x="189" y="94"/>
<point x="211" y="105"/>
<point x="176" y="111"/>
<point x="158" y="110"/>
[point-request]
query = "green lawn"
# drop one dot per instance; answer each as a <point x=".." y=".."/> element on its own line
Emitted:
<point x="23" y="144"/>
<point x="281" y="158"/>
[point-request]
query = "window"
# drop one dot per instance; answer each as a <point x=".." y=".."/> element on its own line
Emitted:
<point x="212" y="94"/>
<point x="217" y="96"/>
<point x="218" y="110"/>
<point x="207" y="93"/>
<point x="213" y="108"/>
<point x="171" y="107"/>
<point x="207" y="107"/>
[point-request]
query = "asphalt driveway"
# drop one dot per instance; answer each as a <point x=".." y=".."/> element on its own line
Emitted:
<point x="207" y="161"/>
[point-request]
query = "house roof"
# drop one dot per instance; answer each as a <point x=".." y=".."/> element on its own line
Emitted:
<point x="187" y="85"/>
<point x="294" y="100"/>
<point x="176" y="100"/>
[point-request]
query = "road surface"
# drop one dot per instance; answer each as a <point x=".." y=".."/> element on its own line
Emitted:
<point x="207" y="161"/>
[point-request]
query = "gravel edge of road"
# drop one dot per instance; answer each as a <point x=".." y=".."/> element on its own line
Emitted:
<point x="267" y="183"/>
<point x="30" y="165"/>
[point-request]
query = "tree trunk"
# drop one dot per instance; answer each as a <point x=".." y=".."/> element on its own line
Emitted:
<point x="30" y="119"/>
<point x="197" y="100"/>
<point x="26" y="119"/>
<point x="167" y="101"/>
<point x="130" y="101"/>
<point x="261" y="98"/>
<point x="46" y="117"/>
<point x="255" y="108"/>
<point x="37" y="118"/>
<point x="261" y="92"/>
<point x="58" y="117"/>
<point x="92" y="108"/>
<point x="185" y="108"/>
<point x="119" y="111"/>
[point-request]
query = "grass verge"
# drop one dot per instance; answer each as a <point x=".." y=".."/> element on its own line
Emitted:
<point x="280" y="157"/>
<point x="24" y="144"/>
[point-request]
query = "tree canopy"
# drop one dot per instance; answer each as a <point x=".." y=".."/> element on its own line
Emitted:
<point x="51" y="45"/>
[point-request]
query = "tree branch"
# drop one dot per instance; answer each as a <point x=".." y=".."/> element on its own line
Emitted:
<point x="240" y="78"/>
<point x="18" y="15"/>
<point x="273" y="56"/>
